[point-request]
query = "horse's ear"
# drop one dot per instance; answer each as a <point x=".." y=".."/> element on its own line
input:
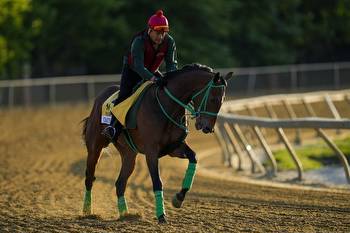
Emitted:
<point x="217" y="77"/>
<point x="228" y="76"/>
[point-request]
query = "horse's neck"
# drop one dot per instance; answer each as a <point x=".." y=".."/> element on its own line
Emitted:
<point x="183" y="87"/>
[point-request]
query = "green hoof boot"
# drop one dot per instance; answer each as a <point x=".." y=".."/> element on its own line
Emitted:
<point x="123" y="214"/>
<point x="162" y="219"/>
<point x="177" y="202"/>
<point x="87" y="210"/>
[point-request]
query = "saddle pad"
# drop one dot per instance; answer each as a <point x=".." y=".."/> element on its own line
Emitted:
<point x="107" y="106"/>
<point x="121" y="110"/>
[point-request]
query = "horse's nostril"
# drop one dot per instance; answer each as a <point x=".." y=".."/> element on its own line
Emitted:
<point x="198" y="125"/>
<point x="206" y="130"/>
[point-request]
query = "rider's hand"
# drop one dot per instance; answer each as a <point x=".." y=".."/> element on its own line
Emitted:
<point x="159" y="81"/>
<point x="158" y="74"/>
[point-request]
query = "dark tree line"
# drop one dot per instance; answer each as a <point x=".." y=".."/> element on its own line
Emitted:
<point x="63" y="37"/>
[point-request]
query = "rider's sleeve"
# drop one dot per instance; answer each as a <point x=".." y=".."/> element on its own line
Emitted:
<point x="171" y="57"/>
<point x="137" y="53"/>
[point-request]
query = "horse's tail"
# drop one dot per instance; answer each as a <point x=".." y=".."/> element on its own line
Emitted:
<point x="92" y="122"/>
<point x="83" y="134"/>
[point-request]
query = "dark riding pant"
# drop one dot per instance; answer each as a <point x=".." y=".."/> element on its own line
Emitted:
<point x="128" y="81"/>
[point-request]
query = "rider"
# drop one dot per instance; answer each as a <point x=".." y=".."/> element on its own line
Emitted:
<point x="147" y="51"/>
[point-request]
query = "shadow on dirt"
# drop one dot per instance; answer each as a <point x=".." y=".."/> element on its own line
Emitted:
<point x="78" y="169"/>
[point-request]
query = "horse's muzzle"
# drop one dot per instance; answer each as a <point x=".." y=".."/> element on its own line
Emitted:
<point x="207" y="130"/>
<point x="198" y="125"/>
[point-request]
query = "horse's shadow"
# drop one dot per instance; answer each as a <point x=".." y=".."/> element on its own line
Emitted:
<point x="78" y="169"/>
<point x="130" y="217"/>
<point x="89" y="223"/>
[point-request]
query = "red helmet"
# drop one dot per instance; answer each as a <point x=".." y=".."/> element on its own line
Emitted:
<point x="158" y="22"/>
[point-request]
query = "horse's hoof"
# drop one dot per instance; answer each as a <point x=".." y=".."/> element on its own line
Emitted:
<point x="162" y="220"/>
<point x="176" y="202"/>
<point x="123" y="214"/>
<point x="87" y="212"/>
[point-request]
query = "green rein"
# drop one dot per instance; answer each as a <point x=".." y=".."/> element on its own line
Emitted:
<point x="189" y="107"/>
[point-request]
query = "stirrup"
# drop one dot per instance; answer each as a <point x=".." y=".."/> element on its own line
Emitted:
<point x="109" y="132"/>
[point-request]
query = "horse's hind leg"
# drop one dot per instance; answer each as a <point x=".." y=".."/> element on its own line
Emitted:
<point x="94" y="152"/>
<point x="184" y="151"/>
<point x="128" y="158"/>
<point x="153" y="167"/>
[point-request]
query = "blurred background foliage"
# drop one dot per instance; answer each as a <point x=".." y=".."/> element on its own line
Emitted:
<point x="65" y="37"/>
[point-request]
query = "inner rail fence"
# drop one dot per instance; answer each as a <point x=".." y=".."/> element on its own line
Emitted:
<point x="247" y="126"/>
<point x="250" y="81"/>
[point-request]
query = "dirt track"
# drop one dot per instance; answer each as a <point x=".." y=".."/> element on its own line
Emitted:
<point x="42" y="163"/>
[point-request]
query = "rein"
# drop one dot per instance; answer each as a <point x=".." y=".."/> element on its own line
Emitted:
<point x="195" y="113"/>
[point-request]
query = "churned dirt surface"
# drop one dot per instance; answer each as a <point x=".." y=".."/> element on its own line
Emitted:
<point x="42" y="163"/>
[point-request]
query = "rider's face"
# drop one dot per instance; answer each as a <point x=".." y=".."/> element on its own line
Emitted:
<point x="156" y="36"/>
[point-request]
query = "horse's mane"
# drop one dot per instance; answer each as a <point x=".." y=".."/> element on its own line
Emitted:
<point x="187" y="68"/>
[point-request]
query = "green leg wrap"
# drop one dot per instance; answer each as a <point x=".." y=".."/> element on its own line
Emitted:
<point x="122" y="206"/>
<point x="159" y="203"/>
<point x="87" y="202"/>
<point x="190" y="172"/>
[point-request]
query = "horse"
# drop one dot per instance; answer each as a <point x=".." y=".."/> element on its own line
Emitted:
<point x="160" y="131"/>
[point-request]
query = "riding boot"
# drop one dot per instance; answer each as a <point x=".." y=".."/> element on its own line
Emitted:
<point x="112" y="131"/>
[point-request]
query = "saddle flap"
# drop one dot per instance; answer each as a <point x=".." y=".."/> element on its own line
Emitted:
<point x="125" y="111"/>
<point x="121" y="110"/>
<point x="107" y="106"/>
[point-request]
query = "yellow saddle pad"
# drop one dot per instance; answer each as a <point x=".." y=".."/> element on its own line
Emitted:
<point x="107" y="106"/>
<point x="120" y="111"/>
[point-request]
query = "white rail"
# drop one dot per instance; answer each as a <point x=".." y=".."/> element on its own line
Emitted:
<point x="248" y="81"/>
<point x="229" y="125"/>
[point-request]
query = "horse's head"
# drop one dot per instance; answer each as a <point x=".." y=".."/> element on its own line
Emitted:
<point x="208" y="102"/>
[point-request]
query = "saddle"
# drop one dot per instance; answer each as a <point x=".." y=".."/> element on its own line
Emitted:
<point x="125" y="111"/>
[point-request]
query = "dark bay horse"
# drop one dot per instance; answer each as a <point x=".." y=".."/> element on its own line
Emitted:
<point x="159" y="131"/>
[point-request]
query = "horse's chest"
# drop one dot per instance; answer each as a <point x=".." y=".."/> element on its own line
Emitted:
<point x="172" y="140"/>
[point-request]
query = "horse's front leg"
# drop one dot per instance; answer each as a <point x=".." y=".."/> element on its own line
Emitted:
<point x="184" y="151"/>
<point x="152" y="163"/>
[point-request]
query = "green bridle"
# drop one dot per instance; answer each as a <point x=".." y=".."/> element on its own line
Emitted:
<point x="189" y="107"/>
